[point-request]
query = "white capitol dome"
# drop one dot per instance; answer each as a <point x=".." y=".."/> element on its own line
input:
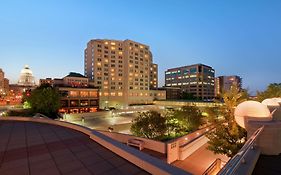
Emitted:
<point x="26" y="70"/>
<point x="251" y="109"/>
<point x="26" y="77"/>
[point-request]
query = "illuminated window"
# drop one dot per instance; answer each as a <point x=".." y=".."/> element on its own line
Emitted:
<point x="93" y="94"/>
<point x="112" y="43"/>
<point x="112" y="94"/>
<point x="120" y="93"/>
<point x="73" y="93"/>
<point x="106" y="42"/>
<point x="84" y="94"/>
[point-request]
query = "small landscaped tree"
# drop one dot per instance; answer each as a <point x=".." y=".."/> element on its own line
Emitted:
<point x="228" y="137"/>
<point x="149" y="124"/>
<point x="44" y="99"/>
<point x="183" y="120"/>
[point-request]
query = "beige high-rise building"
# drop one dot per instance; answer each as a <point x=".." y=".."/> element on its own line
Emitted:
<point x="123" y="70"/>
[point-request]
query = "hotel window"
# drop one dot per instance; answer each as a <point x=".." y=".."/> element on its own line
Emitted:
<point x="73" y="94"/>
<point x="93" y="94"/>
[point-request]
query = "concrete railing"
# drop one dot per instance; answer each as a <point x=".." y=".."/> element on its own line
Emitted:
<point x="182" y="147"/>
<point x="142" y="160"/>
<point x="148" y="143"/>
<point x="190" y="148"/>
<point x="214" y="167"/>
<point x="183" y="140"/>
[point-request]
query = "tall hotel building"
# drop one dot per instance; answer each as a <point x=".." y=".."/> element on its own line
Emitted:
<point x="197" y="79"/>
<point x="123" y="71"/>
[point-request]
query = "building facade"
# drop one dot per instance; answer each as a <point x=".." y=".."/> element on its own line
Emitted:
<point x="197" y="79"/>
<point x="78" y="100"/>
<point x="4" y="83"/>
<point x="2" y="75"/>
<point x="224" y="83"/>
<point x="123" y="71"/>
<point x="76" y="94"/>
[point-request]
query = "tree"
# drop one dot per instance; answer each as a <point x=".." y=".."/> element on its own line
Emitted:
<point x="228" y="138"/>
<point x="44" y="99"/>
<point x="273" y="90"/>
<point x="149" y="124"/>
<point x="186" y="119"/>
<point x="212" y="114"/>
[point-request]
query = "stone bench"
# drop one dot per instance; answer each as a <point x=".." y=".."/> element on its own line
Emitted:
<point x="136" y="142"/>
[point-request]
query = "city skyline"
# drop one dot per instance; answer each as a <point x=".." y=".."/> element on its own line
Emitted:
<point x="240" y="38"/>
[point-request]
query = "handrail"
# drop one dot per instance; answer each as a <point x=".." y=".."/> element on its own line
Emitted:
<point x="212" y="166"/>
<point x="239" y="158"/>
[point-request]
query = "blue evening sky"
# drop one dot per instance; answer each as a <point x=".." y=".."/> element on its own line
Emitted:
<point x="241" y="37"/>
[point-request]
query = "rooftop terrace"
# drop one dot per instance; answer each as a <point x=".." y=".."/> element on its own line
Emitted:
<point x="39" y="148"/>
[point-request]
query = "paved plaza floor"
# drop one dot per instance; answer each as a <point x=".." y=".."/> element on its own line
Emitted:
<point x="30" y="148"/>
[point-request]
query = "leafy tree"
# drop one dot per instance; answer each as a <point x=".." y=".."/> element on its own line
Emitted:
<point x="187" y="118"/>
<point x="228" y="137"/>
<point x="44" y="99"/>
<point x="212" y="114"/>
<point x="273" y="90"/>
<point x="150" y="125"/>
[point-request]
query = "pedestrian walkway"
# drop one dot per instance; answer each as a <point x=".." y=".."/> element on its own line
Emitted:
<point x="199" y="161"/>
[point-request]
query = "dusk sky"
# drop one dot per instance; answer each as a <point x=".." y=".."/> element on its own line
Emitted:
<point x="234" y="37"/>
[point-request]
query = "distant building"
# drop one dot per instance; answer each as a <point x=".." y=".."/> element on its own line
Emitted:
<point x="78" y="100"/>
<point x="76" y="94"/>
<point x="172" y="93"/>
<point x="197" y="79"/>
<point x="4" y="83"/>
<point x="224" y="83"/>
<point x="76" y="80"/>
<point x="123" y="71"/>
<point x="46" y="81"/>
<point x="2" y="75"/>
<point x="26" y="77"/>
